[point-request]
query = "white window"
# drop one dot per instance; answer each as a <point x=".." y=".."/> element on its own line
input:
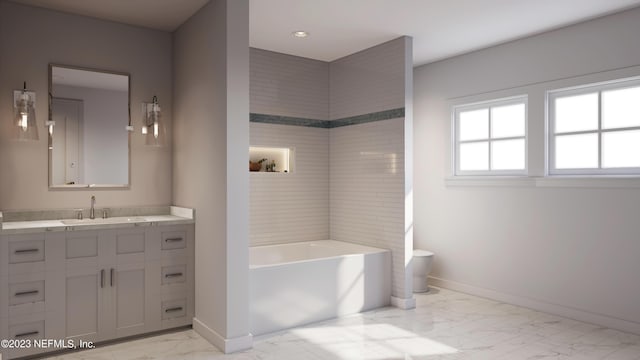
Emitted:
<point x="595" y="129"/>
<point x="490" y="137"/>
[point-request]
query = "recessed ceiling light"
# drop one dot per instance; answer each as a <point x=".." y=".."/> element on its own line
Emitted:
<point x="300" y="34"/>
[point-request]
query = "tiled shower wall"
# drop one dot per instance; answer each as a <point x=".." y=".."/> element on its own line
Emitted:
<point x="288" y="85"/>
<point x="294" y="206"/>
<point x="349" y="181"/>
<point x="366" y="188"/>
<point x="290" y="207"/>
<point x="366" y="168"/>
<point x="368" y="81"/>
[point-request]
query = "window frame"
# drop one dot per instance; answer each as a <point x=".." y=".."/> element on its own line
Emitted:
<point x="552" y="95"/>
<point x="488" y="104"/>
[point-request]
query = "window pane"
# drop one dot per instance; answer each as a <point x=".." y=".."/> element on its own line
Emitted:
<point x="507" y="121"/>
<point x="577" y="151"/>
<point x="507" y="155"/>
<point x="576" y="113"/>
<point x="621" y="149"/>
<point x="621" y="108"/>
<point x="474" y="125"/>
<point x="474" y="156"/>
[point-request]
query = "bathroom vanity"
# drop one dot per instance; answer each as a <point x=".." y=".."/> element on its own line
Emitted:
<point x="94" y="279"/>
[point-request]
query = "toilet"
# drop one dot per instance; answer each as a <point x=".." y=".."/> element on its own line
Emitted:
<point x="422" y="261"/>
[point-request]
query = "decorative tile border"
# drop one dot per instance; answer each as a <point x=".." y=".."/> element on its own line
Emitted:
<point x="371" y="117"/>
<point x="287" y="120"/>
<point x="327" y="124"/>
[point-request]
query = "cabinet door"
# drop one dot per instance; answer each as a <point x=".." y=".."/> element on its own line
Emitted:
<point x="127" y="281"/>
<point x="129" y="299"/>
<point x="85" y="285"/>
<point x="84" y="300"/>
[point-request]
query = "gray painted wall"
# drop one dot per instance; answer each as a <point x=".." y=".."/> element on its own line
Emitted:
<point x="570" y="250"/>
<point x="30" y="39"/>
<point x="211" y="148"/>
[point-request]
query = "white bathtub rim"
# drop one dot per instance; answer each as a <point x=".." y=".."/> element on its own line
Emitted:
<point x="372" y="250"/>
<point x="255" y="267"/>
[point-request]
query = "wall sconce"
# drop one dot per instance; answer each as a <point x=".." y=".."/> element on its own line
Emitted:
<point x="50" y="123"/>
<point x="24" y="102"/>
<point x="153" y="127"/>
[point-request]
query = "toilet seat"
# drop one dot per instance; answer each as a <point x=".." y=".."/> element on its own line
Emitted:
<point x="422" y="253"/>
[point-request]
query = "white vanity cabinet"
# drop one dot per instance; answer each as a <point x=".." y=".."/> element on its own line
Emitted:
<point x="105" y="283"/>
<point x="96" y="285"/>
<point x="174" y="281"/>
<point x="31" y="274"/>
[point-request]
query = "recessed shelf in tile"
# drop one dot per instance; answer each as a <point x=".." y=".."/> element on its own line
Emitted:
<point x="280" y="158"/>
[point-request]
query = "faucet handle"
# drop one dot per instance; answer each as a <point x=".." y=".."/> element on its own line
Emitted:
<point x="79" y="214"/>
<point x="105" y="213"/>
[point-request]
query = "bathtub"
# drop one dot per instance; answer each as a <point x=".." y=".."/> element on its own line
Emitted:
<point x="300" y="283"/>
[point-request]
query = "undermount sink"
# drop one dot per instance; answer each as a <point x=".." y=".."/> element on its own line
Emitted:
<point x="113" y="220"/>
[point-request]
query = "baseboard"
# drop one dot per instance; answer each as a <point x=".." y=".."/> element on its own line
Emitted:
<point x="560" y="310"/>
<point x="404" y="304"/>
<point x="226" y="345"/>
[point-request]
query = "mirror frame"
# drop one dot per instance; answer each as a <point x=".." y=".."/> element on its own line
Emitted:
<point x="50" y="137"/>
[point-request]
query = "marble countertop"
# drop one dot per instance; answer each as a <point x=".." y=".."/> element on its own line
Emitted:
<point x="177" y="216"/>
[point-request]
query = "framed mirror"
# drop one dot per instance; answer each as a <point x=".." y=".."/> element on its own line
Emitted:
<point x="89" y="115"/>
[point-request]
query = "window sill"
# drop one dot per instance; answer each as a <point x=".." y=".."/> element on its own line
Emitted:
<point x="490" y="181"/>
<point x="611" y="182"/>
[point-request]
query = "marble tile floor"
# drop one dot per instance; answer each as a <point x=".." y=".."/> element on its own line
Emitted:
<point x="444" y="325"/>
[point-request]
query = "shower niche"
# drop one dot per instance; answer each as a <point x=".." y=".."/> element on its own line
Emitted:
<point x="271" y="159"/>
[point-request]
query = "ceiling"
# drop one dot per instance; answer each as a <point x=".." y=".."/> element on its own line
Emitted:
<point x="164" y="15"/>
<point x="440" y="28"/>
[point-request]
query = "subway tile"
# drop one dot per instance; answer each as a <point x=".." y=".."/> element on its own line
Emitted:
<point x="366" y="198"/>
<point x="291" y="207"/>
<point x="369" y="81"/>
<point x="288" y="85"/>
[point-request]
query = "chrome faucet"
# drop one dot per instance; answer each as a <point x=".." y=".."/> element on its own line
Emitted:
<point x="92" y="212"/>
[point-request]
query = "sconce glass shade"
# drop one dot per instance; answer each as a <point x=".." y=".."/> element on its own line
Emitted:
<point x="25" y="127"/>
<point x="153" y="128"/>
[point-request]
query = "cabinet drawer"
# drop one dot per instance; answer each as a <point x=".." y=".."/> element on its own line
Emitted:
<point x="26" y="292"/>
<point x="173" y="274"/>
<point x="32" y="330"/>
<point x="26" y="251"/>
<point x="130" y="243"/>
<point x="174" y="309"/>
<point x="174" y="240"/>
<point x="82" y="246"/>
